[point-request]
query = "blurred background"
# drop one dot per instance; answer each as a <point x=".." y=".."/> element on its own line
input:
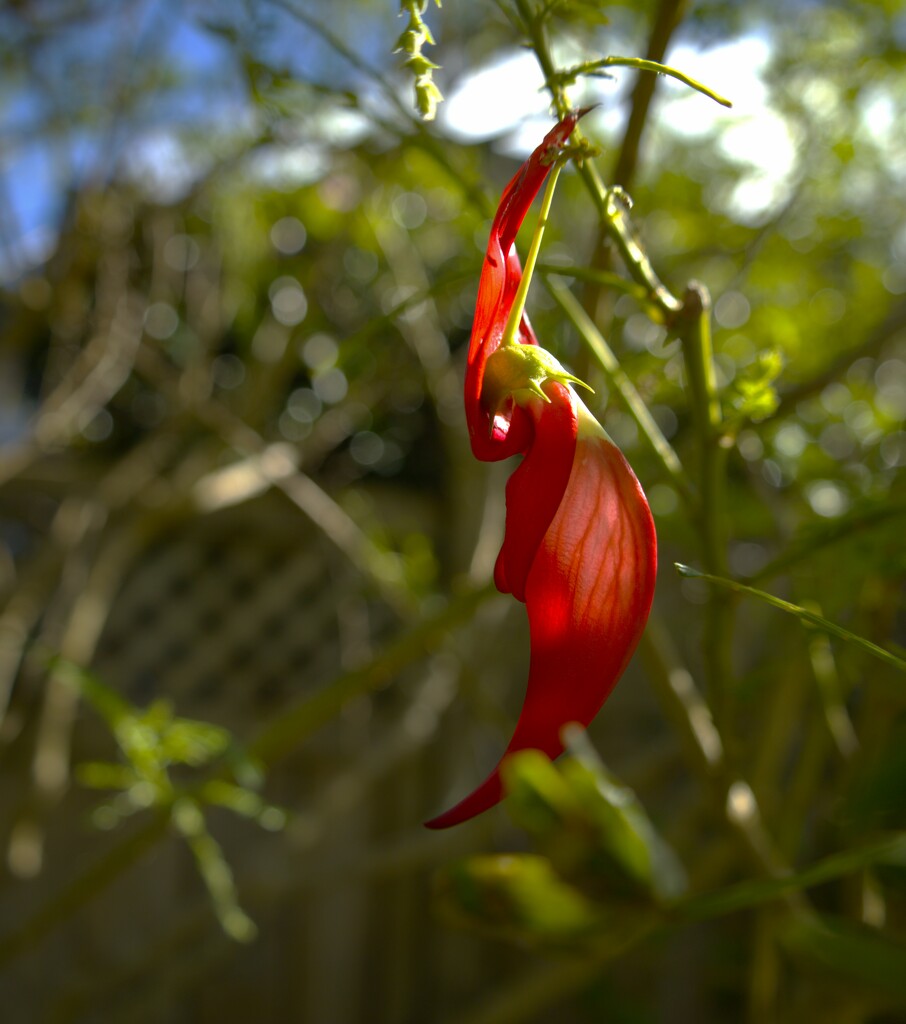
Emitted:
<point x="248" y="641"/>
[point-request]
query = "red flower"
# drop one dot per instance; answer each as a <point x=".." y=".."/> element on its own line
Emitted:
<point x="579" y="548"/>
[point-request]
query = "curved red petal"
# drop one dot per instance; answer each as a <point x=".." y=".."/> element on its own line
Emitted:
<point x="497" y="288"/>
<point x="536" y="488"/>
<point x="588" y="595"/>
<point x="500" y="277"/>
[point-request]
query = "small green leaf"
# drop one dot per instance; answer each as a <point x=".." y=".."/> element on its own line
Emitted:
<point x="515" y="891"/>
<point x="753" y="396"/>
<point x="105" y="775"/>
<point x="243" y="802"/>
<point x="419" y="65"/>
<point x="409" y="41"/>
<point x="193" y="743"/>
<point x="427" y="97"/>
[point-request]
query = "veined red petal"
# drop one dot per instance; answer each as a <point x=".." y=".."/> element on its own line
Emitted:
<point x="588" y="593"/>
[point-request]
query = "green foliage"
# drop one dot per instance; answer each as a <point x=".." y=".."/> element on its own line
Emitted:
<point x="856" y="960"/>
<point x="601" y="874"/>
<point x="606" y="880"/>
<point x="590" y="826"/>
<point x="753" y="397"/>
<point x="153" y="741"/>
<point x="601" y="869"/>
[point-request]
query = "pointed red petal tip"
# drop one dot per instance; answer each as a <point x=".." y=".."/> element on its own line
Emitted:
<point x="535" y="490"/>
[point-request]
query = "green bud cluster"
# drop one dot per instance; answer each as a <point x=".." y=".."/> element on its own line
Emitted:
<point x="417" y="35"/>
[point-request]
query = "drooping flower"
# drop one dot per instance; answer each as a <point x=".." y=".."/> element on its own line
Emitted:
<point x="579" y="548"/>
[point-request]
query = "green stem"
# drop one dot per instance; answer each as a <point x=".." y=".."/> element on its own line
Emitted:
<point x="640" y="64"/>
<point x="695" y="333"/>
<point x="512" y="324"/>
<point x="82" y="890"/>
<point x="611" y="203"/>
<point x="693" y="327"/>
<point x="617" y="377"/>
<point x="804" y="614"/>
<point x="749" y="894"/>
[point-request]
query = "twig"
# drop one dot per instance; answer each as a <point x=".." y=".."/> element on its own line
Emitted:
<point x="335" y="523"/>
<point x="804" y="614"/>
<point x="617" y="377"/>
<point x="300" y="720"/>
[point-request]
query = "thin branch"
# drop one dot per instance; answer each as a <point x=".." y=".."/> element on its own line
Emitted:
<point x="617" y="377"/>
<point x="804" y="614"/>
<point x="300" y="720"/>
<point x="333" y="520"/>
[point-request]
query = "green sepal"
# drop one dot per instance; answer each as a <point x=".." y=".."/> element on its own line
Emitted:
<point x="420" y="65"/>
<point x="519" y="372"/>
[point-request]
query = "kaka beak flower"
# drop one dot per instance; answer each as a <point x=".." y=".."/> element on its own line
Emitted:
<point x="579" y="547"/>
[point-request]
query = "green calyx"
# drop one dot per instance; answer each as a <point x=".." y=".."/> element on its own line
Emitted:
<point x="519" y="372"/>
